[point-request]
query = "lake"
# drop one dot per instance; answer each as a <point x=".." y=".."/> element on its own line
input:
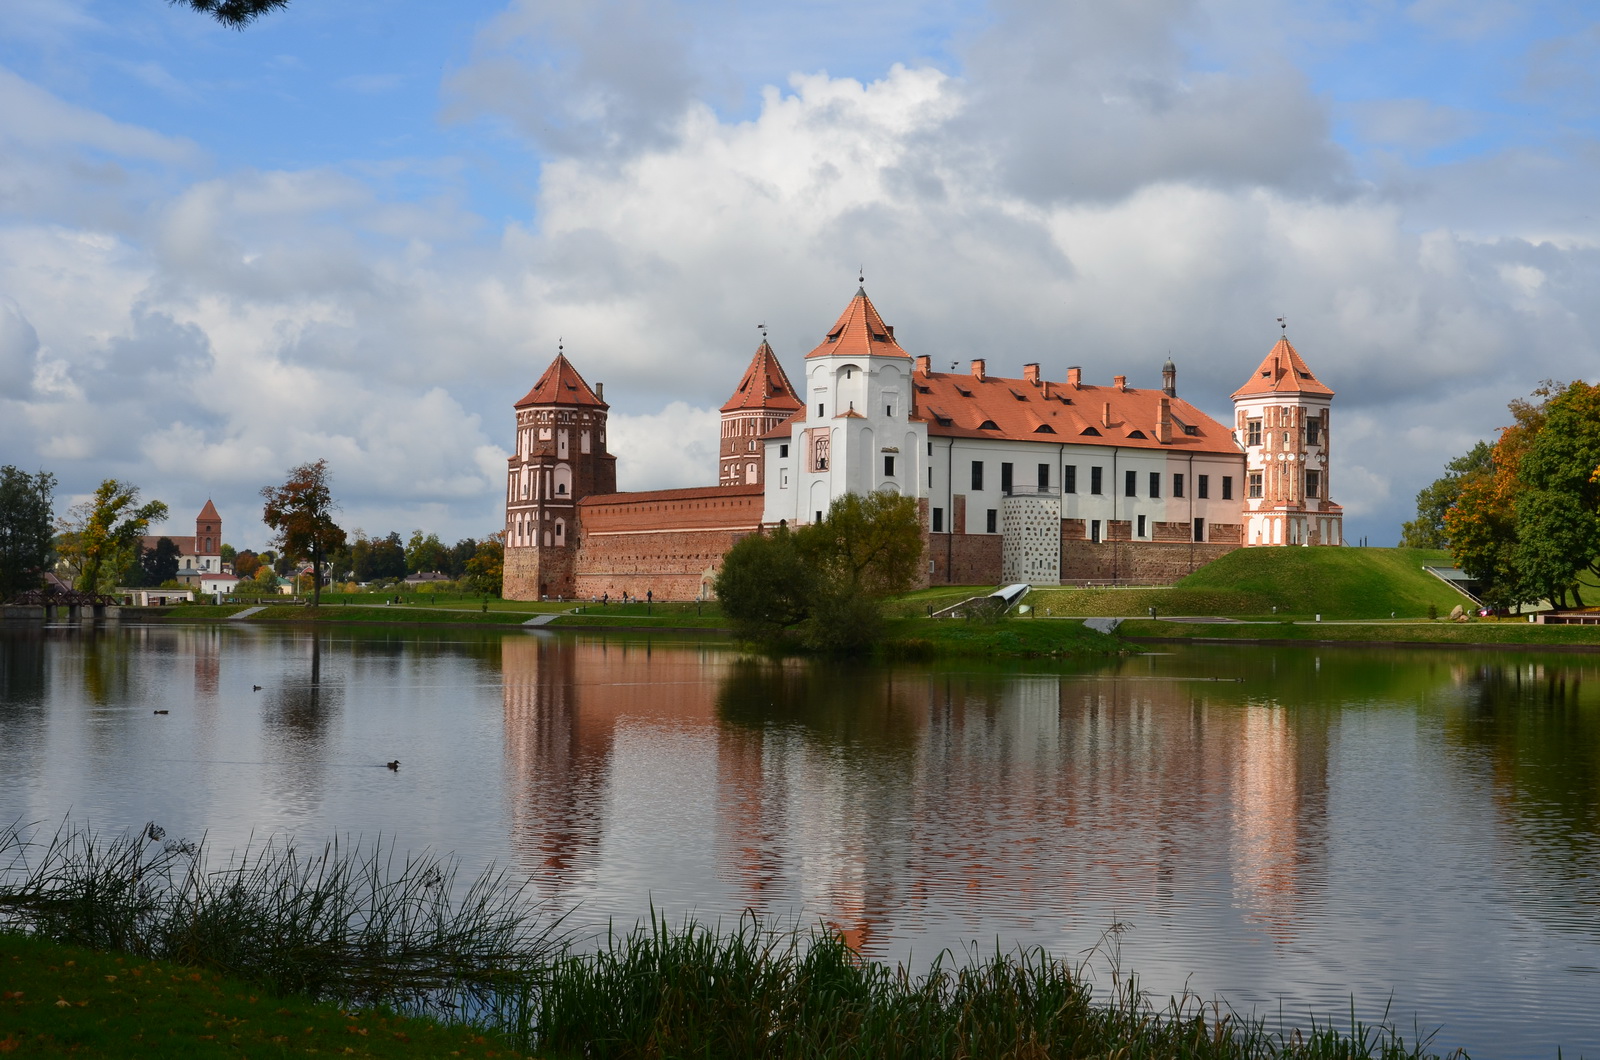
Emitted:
<point x="1292" y="830"/>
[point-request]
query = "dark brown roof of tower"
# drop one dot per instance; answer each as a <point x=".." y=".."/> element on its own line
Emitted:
<point x="859" y="332"/>
<point x="561" y="385"/>
<point x="208" y="512"/>
<point x="764" y="386"/>
<point x="1283" y="372"/>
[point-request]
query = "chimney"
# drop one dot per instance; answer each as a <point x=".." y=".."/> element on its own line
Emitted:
<point x="1074" y="377"/>
<point x="1105" y="414"/>
<point x="1164" y="422"/>
<point x="600" y="391"/>
<point x="923" y="366"/>
<point x="977" y="368"/>
<point x="1030" y="372"/>
<point x="1120" y="382"/>
<point x="890" y="329"/>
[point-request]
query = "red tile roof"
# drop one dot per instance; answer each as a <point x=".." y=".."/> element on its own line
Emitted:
<point x="859" y="332"/>
<point x="561" y="385"/>
<point x="963" y="406"/>
<point x="1282" y="372"/>
<point x="209" y="512"/>
<point x="764" y="386"/>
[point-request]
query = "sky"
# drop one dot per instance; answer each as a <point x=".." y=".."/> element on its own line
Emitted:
<point x="358" y="229"/>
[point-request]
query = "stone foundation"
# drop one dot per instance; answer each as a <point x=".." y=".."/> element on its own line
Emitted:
<point x="1135" y="562"/>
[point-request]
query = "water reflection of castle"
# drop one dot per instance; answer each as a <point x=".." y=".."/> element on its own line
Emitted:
<point x="869" y="798"/>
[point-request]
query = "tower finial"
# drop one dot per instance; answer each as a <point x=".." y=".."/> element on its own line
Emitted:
<point x="861" y="274"/>
<point x="763" y="328"/>
<point x="560" y="346"/>
<point x="1282" y="326"/>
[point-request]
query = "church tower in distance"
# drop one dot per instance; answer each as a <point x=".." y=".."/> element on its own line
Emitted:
<point x="1281" y="421"/>
<point x="763" y="399"/>
<point x="560" y="458"/>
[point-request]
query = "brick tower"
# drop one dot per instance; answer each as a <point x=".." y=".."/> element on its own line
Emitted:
<point x="1281" y="420"/>
<point x="208" y="539"/>
<point x="763" y="399"/>
<point x="560" y="458"/>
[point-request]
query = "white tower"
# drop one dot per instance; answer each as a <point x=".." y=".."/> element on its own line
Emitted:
<point x="1281" y="418"/>
<point x="855" y="434"/>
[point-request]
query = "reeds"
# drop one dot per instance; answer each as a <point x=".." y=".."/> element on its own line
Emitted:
<point x="357" y="923"/>
<point x="352" y="921"/>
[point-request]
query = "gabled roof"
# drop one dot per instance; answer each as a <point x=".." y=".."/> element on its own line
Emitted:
<point x="859" y="332"/>
<point x="1282" y="372"/>
<point x="561" y="385"/>
<point x="208" y="512"/>
<point x="964" y="406"/>
<point x="764" y="385"/>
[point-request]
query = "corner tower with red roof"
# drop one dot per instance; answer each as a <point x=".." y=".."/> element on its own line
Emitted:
<point x="560" y="458"/>
<point x="1281" y="419"/>
<point x="763" y="399"/>
<point x="856" y="432"/>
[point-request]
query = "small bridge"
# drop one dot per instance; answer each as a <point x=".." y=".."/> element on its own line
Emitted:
<point x="52" y="604"/>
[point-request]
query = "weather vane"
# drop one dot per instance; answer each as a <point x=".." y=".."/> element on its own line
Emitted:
<point x="861" y="274"/>
<point x="763" y="328"/>
<point x="560" y="345"/>
<point x="1282" y="326"/>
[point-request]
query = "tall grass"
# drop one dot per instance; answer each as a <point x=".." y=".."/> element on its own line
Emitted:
<point x="748" y="992"/>
<point x="349" y="921"/>
<point x="359" y="923"/>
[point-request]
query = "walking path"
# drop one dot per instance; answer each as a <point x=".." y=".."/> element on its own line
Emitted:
<point x="246" y="613"/>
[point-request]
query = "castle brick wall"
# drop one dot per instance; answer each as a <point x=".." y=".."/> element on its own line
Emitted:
<point x="530" y="573"/>
<point x="965" y="559"/>
<point x="1137" y="562"/>
<point x="662" y="542"/>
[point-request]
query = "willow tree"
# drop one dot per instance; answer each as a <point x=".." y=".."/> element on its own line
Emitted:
<point x="300" y="513"/>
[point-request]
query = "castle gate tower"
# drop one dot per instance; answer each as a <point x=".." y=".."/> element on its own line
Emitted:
<point x="560" y="458"/>
<point x="1281" y="419"/>
<point x="763" y="399"/>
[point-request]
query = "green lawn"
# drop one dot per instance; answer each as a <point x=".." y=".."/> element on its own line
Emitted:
<point x="1338" y="583"/>
<point x="1512" y="631"/>
<point x="61" y="1001"/>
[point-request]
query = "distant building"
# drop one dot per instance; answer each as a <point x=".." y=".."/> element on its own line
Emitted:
<point x="197" y="555"/>
<point x="1018" y="479"/>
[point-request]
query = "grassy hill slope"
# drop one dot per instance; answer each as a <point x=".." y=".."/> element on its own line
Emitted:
<point x="1338" y="583"/>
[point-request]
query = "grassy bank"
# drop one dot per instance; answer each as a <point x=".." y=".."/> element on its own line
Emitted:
<point x="1338" y="583"/>
<point x="1513" y="632"/>
<point x="58" y="1000"/>
<point x="168" y="958"/>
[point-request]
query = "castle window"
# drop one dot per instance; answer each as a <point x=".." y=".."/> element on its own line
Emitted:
<point x="1044" y="477"/>
<point x="1095" y="475"/>
<point x="820" y="413"/>
<point x="1130" y="484"/>
<point x="1199" y="529"/>
<point x="1069" y="478"/>
<point x="1314" y="430"/>
<point x="1005" y="478"/>
<point x="1227" y="487"/>
<point x="1255" y="484"/>
<point x="1094" y="528"/>
<point x="1141" y="526"/>
<point x="1203" y="486"/>
<point x="1252" y="432"/>
<point x="1313" y="483"/>
<point x="1155" y="484"/>
<point x="1177" y="485"/>
<point x="991" y="521"/>
<point x="888" y="467"/>
<point x="977" y="474"/>
<point x="783" y="450"/>
<point x="938" y="520"/>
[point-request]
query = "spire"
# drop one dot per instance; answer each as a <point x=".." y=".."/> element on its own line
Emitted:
<point x="561" y="385"/>
<point x="763" y="385"/>
<point x="208" y="513"/>
<point x="859" y="332"/>
<point x="1283" y="371"/>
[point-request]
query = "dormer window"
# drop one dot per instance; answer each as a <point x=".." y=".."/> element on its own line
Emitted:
<point x="988" y="425"/>
<point x="1136" y="434"/>
<point x="1044" y="428"/>
<point x="1091" y="431"/>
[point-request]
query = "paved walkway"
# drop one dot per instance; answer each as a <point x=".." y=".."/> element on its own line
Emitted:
<point x="246" y="613"/>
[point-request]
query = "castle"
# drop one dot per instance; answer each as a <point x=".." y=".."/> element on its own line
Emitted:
<point x="1018" y="480"/>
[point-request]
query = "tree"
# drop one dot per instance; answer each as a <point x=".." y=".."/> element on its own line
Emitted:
<point x="485" y="571"/>
<point x="460" y="553"/>
<point x="26" y="518"/>
<point x="235" y="14"/>
<point x="159" y="564"/>
<point x="246" y="563"/>
<point x="426" y="553"/>
<point x="300" y="513"/>
<point x="765" y="585"/>
<point x="100" y="537"/>
<point x="386" y="559"/>
<point x="825" y="582"/>
<point x="228" y="553"/>
<point x="1427" y="530"/>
